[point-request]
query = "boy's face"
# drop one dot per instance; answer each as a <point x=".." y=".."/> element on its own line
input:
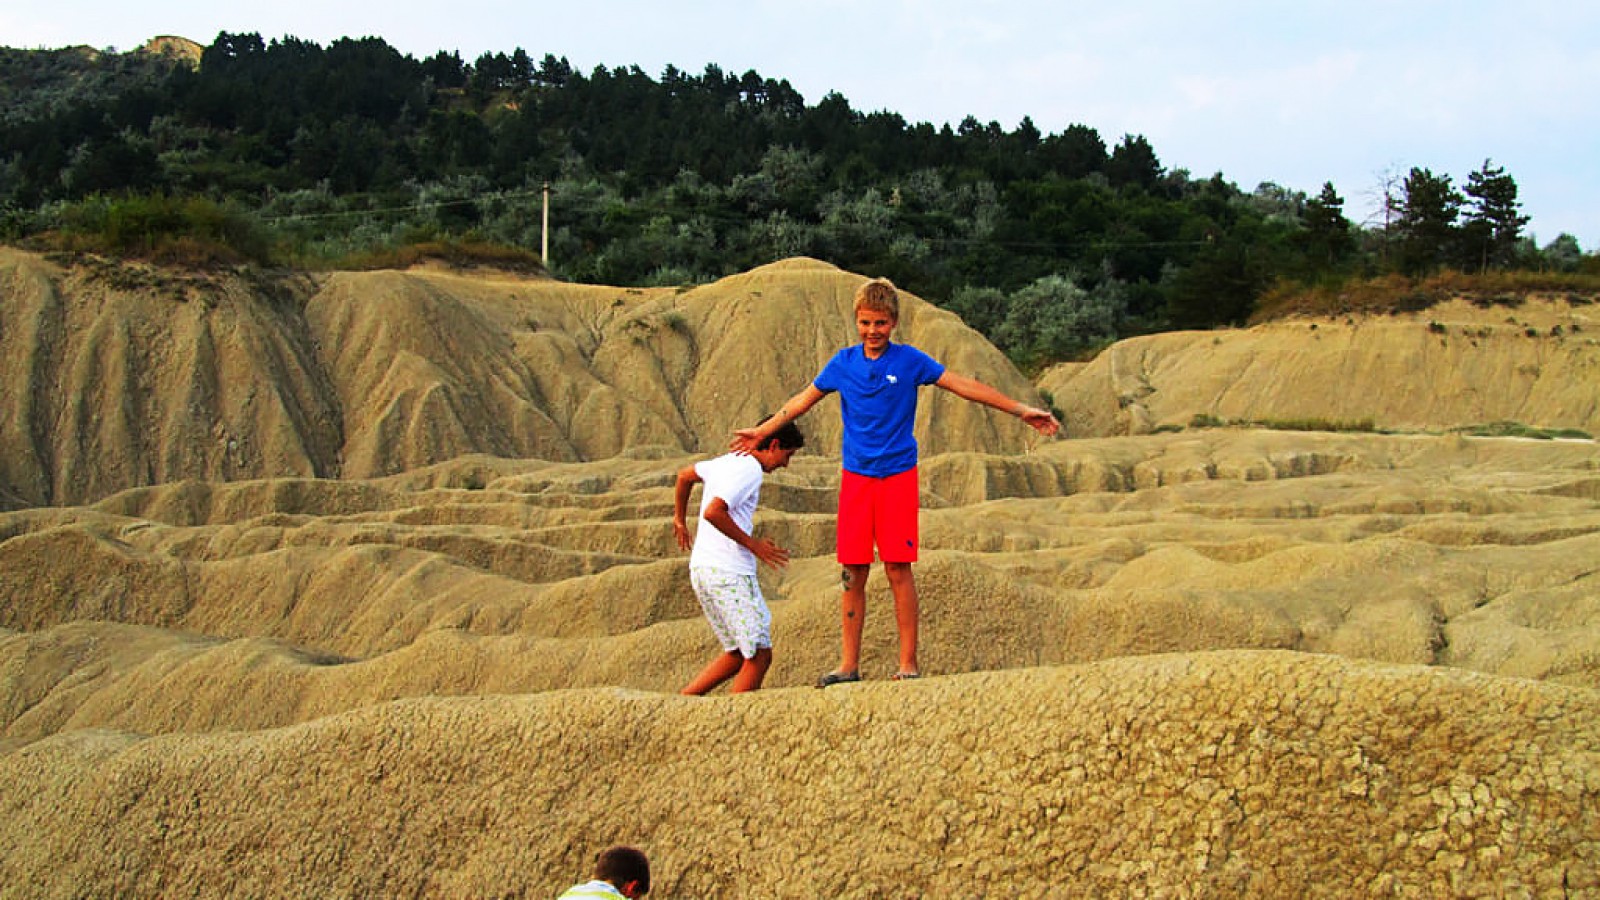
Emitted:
<point x="874" y="326"/>
<point x="774" y="457"/>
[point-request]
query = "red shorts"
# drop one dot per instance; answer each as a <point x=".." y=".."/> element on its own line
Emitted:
<point x="880" y="511"/>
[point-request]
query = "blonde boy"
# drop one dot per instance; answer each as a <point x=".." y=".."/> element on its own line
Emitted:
<point x="877" y="382"/>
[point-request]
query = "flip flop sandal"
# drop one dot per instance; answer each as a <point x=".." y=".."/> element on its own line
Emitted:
<point x="906" y="676"/>
<point x="833" y="678"/>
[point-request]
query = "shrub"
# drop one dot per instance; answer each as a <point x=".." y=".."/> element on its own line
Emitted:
<point x="1505" y="428"/>
<point x="1361" y="425"/>
<point x="192" y="231"/>
<point x="1397" y="293"/>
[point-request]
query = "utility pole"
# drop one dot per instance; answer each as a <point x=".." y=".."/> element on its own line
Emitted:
<point x="544" y="233"/>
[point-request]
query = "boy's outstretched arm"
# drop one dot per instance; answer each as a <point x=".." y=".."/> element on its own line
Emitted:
<point x="748" y="439"/>
<point x="1041" y="420"/>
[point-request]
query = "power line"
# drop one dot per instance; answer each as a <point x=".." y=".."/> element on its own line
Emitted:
<point x="412" y="207"/>
<point x="1059" y="245"/>
<point x="541" y="192"/>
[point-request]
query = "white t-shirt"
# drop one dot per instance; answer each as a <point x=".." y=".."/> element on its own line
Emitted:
<point x="590" y="889"/>
<point x="737" y="480"/>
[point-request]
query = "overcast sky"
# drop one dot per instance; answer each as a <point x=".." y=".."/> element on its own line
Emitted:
<point x="1296" y="93"/>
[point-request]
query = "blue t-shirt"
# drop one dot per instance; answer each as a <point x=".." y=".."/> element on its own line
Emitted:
<point x="878" y="399"/>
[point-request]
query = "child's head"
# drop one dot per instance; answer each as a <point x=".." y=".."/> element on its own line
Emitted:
<point x="779" y="447"/>
<point x="626" y="868"/>
<point x="879" y="295"/>
<point x="788" y="437"/>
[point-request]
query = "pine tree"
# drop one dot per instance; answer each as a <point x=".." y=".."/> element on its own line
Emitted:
<point x="1427" y="224"/>
<point x="1328" y="239"/>
<point x="1494" y="218"/>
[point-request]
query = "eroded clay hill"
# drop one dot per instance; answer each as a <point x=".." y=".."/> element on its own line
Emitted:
<point x="1459" y="364"/>
<point x="1214" y="663"/>
<point x="118" y="377"/>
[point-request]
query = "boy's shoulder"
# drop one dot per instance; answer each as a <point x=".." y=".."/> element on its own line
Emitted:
<point x="904" y="347"/>
<point x="729" y="462"/>
<point x="911" y="354"/>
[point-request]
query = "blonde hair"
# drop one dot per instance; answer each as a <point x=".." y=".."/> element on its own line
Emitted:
<point x="879" y="294"/>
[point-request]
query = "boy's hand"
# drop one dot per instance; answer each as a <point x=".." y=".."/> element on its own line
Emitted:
<point x="746" y="440"/>
<point x="680" y="530"/>
<point x="770" y="553"/>
<point x="1041" y="420"/>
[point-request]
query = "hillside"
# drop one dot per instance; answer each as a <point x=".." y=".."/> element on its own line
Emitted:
<point x="1455" y="365"/>
<point x="284" y="152"/>
<point x="364" y="584"/>
<point x="173" y="47"/>
<point x="115" y="379"/>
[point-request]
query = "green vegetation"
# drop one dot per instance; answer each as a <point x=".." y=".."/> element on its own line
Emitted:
<point x="1395" y="293"/>
<point x="1337" y="425"/>
<point x="286" y="152"/>
<point x="1206" y="420"/>
<point x="193" y="231"/>
<point x="1517" y="429"/>
<point x="1492" y="429"/>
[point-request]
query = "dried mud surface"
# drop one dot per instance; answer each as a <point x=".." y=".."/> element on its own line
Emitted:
<point x="389" y="656"/>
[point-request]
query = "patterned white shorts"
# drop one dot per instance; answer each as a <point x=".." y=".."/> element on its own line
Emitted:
<point x="735" y="608"/>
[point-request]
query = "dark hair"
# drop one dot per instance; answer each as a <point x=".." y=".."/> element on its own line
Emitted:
<point x="620" y="865"/>
<point x="788" y="437"/>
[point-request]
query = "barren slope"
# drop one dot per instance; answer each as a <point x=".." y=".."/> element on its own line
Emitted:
<point x="1214" y="774"/>
<point x="1457" y="364"/>
<point x="119" y="377"/>
<point x="1213" y="663"/>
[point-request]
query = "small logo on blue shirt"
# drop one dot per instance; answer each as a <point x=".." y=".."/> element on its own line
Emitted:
<point x="893" y="380"/>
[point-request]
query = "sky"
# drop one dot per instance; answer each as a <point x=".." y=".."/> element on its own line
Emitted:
<point x="1356" y="93"/>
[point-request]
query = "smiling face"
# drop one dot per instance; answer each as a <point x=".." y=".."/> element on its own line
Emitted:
<point x="874" y="326"/>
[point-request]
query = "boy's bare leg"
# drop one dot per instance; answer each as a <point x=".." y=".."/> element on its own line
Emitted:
<point x="906" y="612"/>
<point x="752" y="671"/>
<point x="716" y="672"/>
<point x="853" y="613"/>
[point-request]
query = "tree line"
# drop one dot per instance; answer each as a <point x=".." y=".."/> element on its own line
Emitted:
<point x="1051" y="243"/>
